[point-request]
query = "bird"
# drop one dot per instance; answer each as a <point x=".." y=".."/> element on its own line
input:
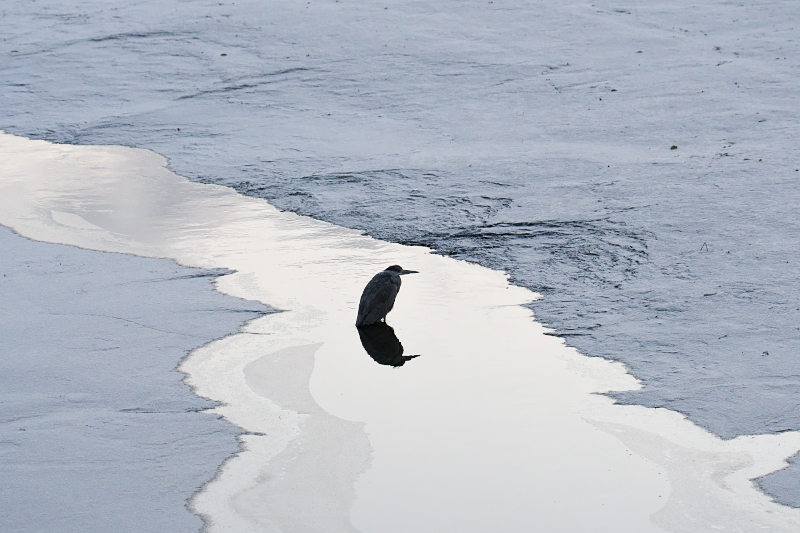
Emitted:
<point x="379" y="294"/>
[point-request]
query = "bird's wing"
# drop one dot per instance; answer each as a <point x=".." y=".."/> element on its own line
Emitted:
<point x="377" y="299"/>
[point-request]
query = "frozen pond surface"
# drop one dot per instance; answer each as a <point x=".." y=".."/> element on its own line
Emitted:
<point x="496" y="426"/>
<point x="98" y="433"/>
<point x="529" y="137"/>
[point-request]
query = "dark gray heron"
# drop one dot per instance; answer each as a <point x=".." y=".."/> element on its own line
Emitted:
<point x="379" y="294"/>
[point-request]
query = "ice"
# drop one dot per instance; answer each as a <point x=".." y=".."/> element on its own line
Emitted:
<point x="496" y="425"/>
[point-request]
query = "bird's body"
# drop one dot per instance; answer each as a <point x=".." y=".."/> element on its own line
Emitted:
<point x="379" y="295"/>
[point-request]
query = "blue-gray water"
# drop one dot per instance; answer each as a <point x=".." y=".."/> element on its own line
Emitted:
<point x="524" y="136"/>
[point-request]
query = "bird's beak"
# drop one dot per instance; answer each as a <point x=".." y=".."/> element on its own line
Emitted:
<point x="408" y="272"/>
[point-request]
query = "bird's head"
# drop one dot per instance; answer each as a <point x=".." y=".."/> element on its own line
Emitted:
<point x="399" y="270"/>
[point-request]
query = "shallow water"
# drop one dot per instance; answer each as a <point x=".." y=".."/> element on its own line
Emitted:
<point x="495" y="426"/>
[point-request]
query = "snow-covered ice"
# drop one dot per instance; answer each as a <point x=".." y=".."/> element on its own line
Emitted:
<point x="495" y="426"/>
<point x="529" y="137"/>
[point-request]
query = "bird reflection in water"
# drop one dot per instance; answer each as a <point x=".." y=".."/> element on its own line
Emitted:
<point x="382" y="344"/>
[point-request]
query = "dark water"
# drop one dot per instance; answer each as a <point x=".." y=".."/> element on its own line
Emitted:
<point x="526" y="137"/>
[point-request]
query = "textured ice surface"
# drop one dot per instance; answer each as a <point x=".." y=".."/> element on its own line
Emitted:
<point x="98" y="433"/>
<point x="530" y="137"/>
